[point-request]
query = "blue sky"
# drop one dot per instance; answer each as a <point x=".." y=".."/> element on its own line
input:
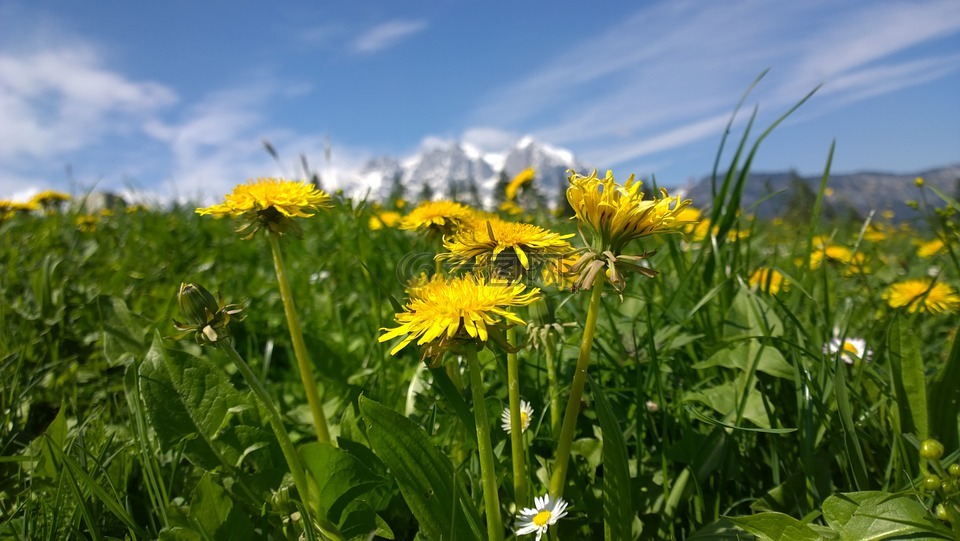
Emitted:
<point x="174" y="98"/>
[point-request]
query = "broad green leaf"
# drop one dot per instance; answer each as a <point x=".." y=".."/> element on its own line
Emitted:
<point x="742" y="355"/>
<point x="52" y="439"/>
<point x="874" y="515"/>
<point x="424" y="475"/>
<point x="179" y="533"/>
<point x="776" y="527"/>
<point x="720" y="529"/>
<point x="123" y="334"/>
<point x="944" y="404"/>
<point x="618" y="511"/>
<point x="361" y="523"/>
<point x="909" y="383"/>
<point x="724" y="399"/>
<point x="189" y="398"/>
<point x="749" y="315"/>
<point x="213" y="512"/>
<point x="340" y="477"/>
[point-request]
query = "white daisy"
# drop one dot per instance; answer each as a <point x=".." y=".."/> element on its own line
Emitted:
<point x="537" y="519"/>
<point x="850" y="349"/>
<point x="526" y="413"/>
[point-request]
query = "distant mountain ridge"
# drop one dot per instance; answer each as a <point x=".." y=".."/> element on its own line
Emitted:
<point x="460" y="170"/>
<point x="853" y="195"/>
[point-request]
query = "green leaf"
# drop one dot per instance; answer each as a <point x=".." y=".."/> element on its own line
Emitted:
<point x="123" y="334"/>
<point x="361" y="523"/>
<point x="724" y="398"/>
<point x="213" y="512"/>
<point x="742" y="356"/>
<point x="749" y="315"/>
<point x="425" y="476"/>
<point x="776" y="527"/>
<point x="340" y="477"/>
<point x="189" y="398"/>
<point x="874" y="515"/>
<point x="53" y="438"/>
<point x="720" y="529"/>
<point x="618" y="511"/>
<point x="909" y="383"/>
<point x="944" y="404"/>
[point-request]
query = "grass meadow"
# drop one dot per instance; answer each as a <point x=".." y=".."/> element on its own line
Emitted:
<point x="770" y="382"/>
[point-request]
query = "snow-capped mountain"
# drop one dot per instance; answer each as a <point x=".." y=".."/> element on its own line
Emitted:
<point x="463" y="171"/>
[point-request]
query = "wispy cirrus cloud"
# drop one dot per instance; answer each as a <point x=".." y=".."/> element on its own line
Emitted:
<point x="669" y="75"/>
<point x="386" y="35"/>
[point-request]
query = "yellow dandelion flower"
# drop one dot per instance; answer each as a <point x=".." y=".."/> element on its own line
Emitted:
<point x="500" y="245"/>
<point x="442" y="217"/>
<point x="840" y="255"/>
<point x="700" y="230"/>
<point x="387" y="218"/>
<point x="87" y="223"/>
<point x="444" y="312"/>
<point x="523" y="177"/>
<point x="49" y="198"/>
<point x="270" y="203"/>
<point x="617" y="214"/>
<point x="931" y="248"/>
<point x="918" y="182"/>
<point x="8" y="209"/>
<point x="877" y="233"/>
<point x="511" y="207"/>
<point x="692" y="216"/>
<point x="923" y="295"/>
<point x="768" y="280"/>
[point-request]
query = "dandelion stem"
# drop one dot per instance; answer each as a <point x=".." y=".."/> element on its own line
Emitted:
<point x="565" y="443"/>
<point x="552" y="385"/>
<point x="273" y="416"/>
<point x="491" y="499"/>
<point x="516" y="424"/>
<point x="299" y="348"/>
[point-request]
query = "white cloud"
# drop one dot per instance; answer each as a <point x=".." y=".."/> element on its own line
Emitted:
<point x="871" y="34"/>
<point x="489" y="139"/>
<point x="219" y="144"/>
<point x="63" y="99"/>
<point x="386" y="35"/>
<point x="669" y="75"/>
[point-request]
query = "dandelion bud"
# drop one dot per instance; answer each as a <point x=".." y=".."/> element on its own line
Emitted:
<point x="196" y="303"/>
<point x="207" y="317"/>
<point x="932" y="482"/>
<point x="931" y="449"/>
